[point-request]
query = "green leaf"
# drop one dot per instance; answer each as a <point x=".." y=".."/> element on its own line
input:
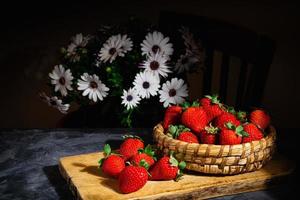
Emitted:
<point x="107" y="150"/>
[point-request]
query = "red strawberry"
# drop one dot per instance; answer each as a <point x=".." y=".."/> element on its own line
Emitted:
<point x="253" y="133"/>
<point x="167" y="168"/>
<point x="208" y="135"/>
<point x="180" y="132"/>
<point x="240" y="115"/>
<point x="213" y="111"/>
<point x="194" y="118"/>
<point x="172" y="116"/>
<point x="132" y="178"/>
<point x="221" y="120"/>
<point x="210" y="100"/>
<point x="260" y="118"/>
<point x="111" y="165"/>
<point x="205" y="102"/>
<point x="146" y="154"/>
<point x="130" y="146"/>
<point x="212" y="106"/>
<point x="232" y="135"/>
<point x="142" y="156"/>
<point x="188" y="137"/>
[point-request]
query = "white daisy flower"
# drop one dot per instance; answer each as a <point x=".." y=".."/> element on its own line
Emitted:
<point x="193" y="47"/>
<point x="77" y="41"/>
<point x="55" y="103"/>
<point x="146" y="84"/>
<point x="186" y="63"/>
<point x="156" y="64"/>
<point x="116" y="45"/>
<point x="156" y="43"/>
<point x="62" y="79"/>
<point x="173" y="92"/>
<point x="130" y="98"/>
<point x="92" y="86"/>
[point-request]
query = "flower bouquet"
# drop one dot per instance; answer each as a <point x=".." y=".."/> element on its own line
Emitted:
<point x="132" y="66"/>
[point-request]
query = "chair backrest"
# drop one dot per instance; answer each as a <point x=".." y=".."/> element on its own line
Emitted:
<point x="254" y="51"/>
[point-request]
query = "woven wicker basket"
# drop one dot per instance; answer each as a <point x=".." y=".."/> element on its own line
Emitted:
<point x="219" y="159"/>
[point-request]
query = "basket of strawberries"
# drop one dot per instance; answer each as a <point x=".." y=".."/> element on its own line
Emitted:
<point x="212" y="138"/>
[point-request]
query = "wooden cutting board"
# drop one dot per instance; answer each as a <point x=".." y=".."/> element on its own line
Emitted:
<point x="88" y="183"/>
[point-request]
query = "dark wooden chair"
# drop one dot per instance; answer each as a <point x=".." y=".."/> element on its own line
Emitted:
<point x="255" y="52"/>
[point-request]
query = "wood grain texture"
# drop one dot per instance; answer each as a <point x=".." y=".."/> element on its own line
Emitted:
<point x="88" y="183"/>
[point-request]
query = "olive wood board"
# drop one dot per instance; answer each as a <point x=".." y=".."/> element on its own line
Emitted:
<point x="87" y="182"/>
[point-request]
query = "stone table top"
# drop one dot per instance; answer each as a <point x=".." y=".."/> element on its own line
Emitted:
<point x="29" y="162"/>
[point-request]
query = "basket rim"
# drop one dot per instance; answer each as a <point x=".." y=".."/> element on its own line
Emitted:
<point x="270" y="134"/>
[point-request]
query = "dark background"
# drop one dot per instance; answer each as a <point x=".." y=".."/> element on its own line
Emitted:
<point x="32" y="34"/>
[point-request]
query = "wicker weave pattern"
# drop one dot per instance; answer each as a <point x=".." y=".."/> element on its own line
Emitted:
<point x="219" y="159"/>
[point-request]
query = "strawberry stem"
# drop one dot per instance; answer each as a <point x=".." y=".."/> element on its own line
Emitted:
<point x="211" y="129"/>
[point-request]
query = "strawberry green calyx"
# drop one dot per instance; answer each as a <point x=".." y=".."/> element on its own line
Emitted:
<point x="173" y="161"/>
<point x="185" y="105"/>
<point x="195" y="104"/>
<point x="143" y="163"/>
<point x="239" y="130"/>
<point x="241" y="115"/>
<point x="214" y="99"/>
<point x="172" y="130"/>
<point x="175" y="130"/>
<point x="211" y="129"/>
<point x="231" y="110"/>
<point x="107" y="152"/>
<point x="132" y="136"/>
<point x="149" y="150"/>
<point x="230" y="126"/>
<point x="181" y="167"/>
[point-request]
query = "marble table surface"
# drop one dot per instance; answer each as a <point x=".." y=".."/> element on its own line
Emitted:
<point x="29" y="158"/>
